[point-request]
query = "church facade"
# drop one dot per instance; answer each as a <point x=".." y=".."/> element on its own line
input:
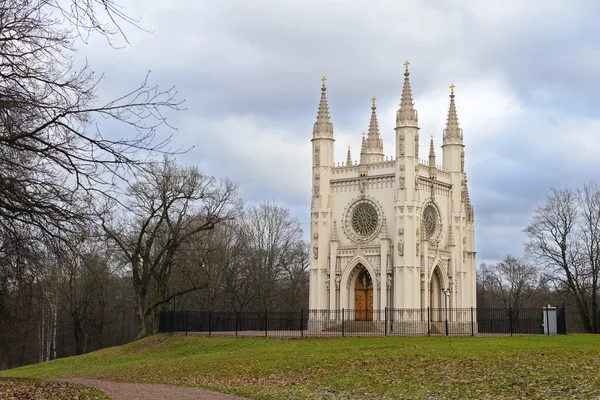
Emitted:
<point x="391" y="233"/>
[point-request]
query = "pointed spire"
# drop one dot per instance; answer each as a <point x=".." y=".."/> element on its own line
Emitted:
<point x="349" y="158"/>
<point x="363" y="150"/>
<point x="323" y="127"/>
<point x="373" y="125"/>
<point x="372" y="146"/>
<point x="407" y="110"/>
<point x="431" y="154"/>
<point x="452" y="130"/>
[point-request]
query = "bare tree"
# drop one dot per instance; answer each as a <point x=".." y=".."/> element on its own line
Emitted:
<point x="563" y="237"/>
<point x="295" y="279"/>
<point x="513" y="281"/>
<point x="52" y="154"/>
<point x="169" y="206"/>
<point x="272" y="238"/>
<point x="589" y="204"/>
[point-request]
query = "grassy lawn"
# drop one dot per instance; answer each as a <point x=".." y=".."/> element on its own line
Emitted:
<point x="438" y="367"/>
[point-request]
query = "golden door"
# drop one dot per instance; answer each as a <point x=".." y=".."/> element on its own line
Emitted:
<point x="363" y="297"/>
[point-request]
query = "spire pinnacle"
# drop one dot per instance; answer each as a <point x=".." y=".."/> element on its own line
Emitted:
<point x="407" y="110"/>
<point x="372" y="146"/>
<point x="374" y="127"/>
<point x="452" y="130"/>
<point x="431" y="149"/>
<point x="323" y="127"/>
<point x="348" y="158"/>
<point x="431" y="154"/>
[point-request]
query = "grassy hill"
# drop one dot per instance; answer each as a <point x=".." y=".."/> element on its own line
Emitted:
<point x="383" y="367"/>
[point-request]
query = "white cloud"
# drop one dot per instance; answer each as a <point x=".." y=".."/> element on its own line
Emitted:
<point x="574" y="140"/>
<point x="260" y="155"/>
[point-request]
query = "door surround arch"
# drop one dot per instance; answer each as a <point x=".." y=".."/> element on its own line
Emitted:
<point x="349" y="278"/>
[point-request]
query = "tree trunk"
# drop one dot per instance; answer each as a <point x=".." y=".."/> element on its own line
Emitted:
<point x="140" y="314"/>
<point x="78" y="336"/>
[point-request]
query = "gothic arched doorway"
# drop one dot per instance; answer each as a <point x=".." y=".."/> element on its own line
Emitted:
<point x="363" y="296"/>
<point x="436" y="296"/>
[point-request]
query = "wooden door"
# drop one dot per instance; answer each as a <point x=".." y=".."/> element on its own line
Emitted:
<point x="363" y="297"/>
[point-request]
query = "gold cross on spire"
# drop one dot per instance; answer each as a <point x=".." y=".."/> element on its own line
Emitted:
<point x="363" y="134"/>
<point x="348" y="147"/>
<point x="323" y="79"/>
<point x="406" y="64"/>
<point x="373" y="100"/>
<point x="452" y="88"/>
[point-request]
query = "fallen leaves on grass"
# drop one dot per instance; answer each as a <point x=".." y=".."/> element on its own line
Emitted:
<point x="27" y="389"/>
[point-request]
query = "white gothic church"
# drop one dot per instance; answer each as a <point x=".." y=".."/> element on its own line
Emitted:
<point x="391" y="233"/>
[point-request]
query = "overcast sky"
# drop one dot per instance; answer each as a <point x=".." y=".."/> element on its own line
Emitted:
<point x="526" y="76"/>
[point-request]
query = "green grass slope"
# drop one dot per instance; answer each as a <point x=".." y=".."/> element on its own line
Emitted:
<point x="497" y="367"/>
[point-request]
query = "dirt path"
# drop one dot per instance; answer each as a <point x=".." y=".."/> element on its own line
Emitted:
<point x="139" y="391"/>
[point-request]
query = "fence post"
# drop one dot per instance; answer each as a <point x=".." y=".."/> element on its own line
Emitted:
<point x="342" y="322"/>
<point x="209" y="323"/>
<point x="565" y="318"/>
<point x="236" y="323"/>
<point x="472" y="323"/>
<point x="510" y="323"/>
<point x="385" y="321"/>
<point x="187" y="319"/>
<point x="301" y="320"/>
<point x="547" y="321"/>
<point x="266" y="323"/>
<point x="428" y="323"/>
<point x="446" y="321"/>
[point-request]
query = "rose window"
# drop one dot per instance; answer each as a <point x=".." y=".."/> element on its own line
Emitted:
<point x="364" y="219"/>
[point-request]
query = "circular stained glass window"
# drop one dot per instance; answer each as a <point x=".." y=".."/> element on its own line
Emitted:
<point x="429" y="220"/>
<point x="364" y="219"/>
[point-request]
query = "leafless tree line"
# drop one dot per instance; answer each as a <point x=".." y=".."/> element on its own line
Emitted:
<point x="562" y="261"/>
<point x="183" y="241"/>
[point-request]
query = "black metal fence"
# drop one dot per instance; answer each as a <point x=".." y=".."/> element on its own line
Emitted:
<point x="387" y="322"/>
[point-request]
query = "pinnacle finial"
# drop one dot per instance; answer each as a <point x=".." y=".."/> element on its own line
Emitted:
<point x="373" y="99"/>
<point x="431" y="153"/>
<point x="407" y="111"/>
<point x="452" y="128"/>
<point x="348" y="158"/>
<point x="323" y="126"/>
